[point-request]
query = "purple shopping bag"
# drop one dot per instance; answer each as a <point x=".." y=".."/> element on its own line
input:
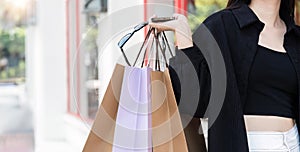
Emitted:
<point x="133" y="122"/>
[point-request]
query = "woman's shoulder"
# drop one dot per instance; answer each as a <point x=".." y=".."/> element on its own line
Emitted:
<point x="218" y="23"/>
<point x="219" y="18"/>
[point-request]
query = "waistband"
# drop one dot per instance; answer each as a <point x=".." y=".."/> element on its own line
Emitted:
<point x="273" y="140"/>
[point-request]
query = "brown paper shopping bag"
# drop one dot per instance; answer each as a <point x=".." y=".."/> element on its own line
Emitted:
<point x="167" y="130"/>
<point x="101" y="135"/>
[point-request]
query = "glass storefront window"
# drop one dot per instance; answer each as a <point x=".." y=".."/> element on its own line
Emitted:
<point x="82" y="50"/>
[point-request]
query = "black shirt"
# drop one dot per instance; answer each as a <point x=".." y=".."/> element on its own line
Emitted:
<point x="272" y="86"/>
<point x="236" y="31"/>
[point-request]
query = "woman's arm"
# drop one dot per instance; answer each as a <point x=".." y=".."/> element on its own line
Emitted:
<point x="188" y="62"/>
<point x="191" y="81"/>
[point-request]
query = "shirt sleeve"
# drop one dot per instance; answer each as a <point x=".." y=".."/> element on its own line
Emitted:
<point x="191" y="81"/>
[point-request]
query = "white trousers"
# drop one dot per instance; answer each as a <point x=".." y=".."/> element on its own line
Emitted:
<point x="271" y="141"/>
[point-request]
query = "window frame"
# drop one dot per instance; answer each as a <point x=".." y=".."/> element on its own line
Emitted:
<point x="76" y="89"/>
<point x="76" y="112"/>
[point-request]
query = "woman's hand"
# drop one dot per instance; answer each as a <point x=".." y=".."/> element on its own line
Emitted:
<point x="181" y="28"/>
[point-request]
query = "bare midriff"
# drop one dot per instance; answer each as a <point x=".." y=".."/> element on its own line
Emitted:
<point x="268" y="123"/>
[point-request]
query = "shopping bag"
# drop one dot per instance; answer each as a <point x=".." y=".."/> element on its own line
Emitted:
<point x="139" y="112"/>
<point x="167" y="130"/>
<point x="102" y="131"/>
<point x="133" y="123"/>
<point x="148" y="121"/>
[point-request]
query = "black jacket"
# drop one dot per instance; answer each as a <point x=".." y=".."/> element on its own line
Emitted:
<point x="236" y="31"/>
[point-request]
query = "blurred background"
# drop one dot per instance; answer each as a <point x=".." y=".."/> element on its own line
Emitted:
<point x="51" y="74"/>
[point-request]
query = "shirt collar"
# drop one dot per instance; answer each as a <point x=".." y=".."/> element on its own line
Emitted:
<point x="245" y="17"/>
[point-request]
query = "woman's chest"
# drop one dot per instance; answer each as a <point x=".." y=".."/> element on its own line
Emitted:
<point x="243" y="50"/>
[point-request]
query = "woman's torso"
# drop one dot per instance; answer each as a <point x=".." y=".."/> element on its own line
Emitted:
<point x="239" y="44"/>
<point x="272" y="92"/>
<point x="236" y="31"/>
